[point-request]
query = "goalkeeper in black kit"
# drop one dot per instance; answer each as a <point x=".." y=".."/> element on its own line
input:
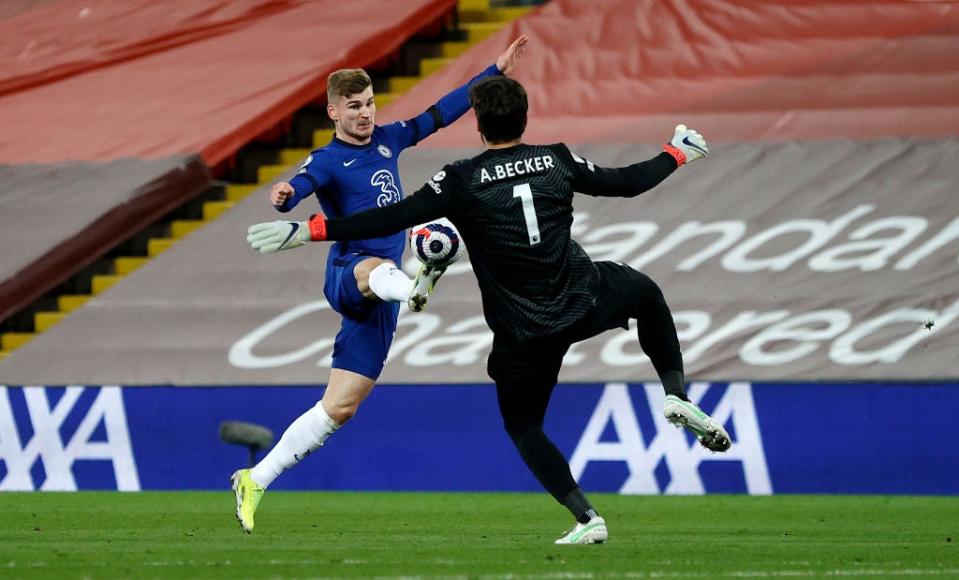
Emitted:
<point x="541" y="293"/>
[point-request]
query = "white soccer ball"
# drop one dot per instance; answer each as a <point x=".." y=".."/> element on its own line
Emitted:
<point x="436" y="244"/>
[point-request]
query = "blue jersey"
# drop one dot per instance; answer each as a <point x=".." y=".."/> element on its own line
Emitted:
<point x="347" y="178"/>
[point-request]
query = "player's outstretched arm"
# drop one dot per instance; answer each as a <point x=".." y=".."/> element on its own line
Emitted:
<point x="509" y="58"/>
<point x="271" y="237"/>
<point x="455" y="103"/>
<point x="685" y="147"/>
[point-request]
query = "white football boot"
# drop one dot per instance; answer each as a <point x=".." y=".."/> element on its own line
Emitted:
<point x="425" y="281"/>
<point x="592" y="532"/>
<point x="710" y="434"/>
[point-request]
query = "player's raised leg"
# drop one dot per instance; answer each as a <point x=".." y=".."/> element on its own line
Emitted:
<point x="657" y="336"/>
<point x="423" y="286"/>
<point x="627" y="293"/>
<point x="437" y="245"/>
<point x="685" y="413"/>
<point x="382" y="279"/>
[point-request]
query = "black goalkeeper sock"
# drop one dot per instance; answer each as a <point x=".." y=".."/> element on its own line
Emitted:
<point x="674" y="384"/>
<point x="579" y="506"/>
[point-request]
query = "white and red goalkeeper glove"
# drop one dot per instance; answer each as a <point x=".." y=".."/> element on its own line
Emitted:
<point x="270" y="237"/>
<point x="687" y="145"/>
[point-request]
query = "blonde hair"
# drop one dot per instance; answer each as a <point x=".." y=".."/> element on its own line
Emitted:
<point x="346" y="82"/>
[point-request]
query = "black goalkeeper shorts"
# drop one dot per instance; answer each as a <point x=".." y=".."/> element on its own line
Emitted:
<point x="535" y="363"/>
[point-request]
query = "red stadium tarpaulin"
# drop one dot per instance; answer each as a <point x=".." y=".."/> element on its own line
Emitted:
<point x="736" y="71"/>
<point x="100" y="80"/>
<point x="134" y="91"/>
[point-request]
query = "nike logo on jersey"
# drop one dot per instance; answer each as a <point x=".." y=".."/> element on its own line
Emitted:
<point x="348" y="163"/>
<point x="693" y="145"/>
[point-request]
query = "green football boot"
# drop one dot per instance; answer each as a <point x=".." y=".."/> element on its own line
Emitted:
<point x="248" y="494"/>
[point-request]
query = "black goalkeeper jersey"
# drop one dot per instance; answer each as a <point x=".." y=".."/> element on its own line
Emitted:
<point x="513" y="208"/>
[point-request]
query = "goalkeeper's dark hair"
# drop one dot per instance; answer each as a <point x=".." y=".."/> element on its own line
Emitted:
<point x="500" y="105"/>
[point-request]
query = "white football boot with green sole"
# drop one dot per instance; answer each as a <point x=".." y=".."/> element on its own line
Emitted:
<point x="423" y="286"/>
<point x="592" y="532"/>
<point x="710" y="434"/>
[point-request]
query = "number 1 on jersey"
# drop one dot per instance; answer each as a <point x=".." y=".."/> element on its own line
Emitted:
<point x="525" y="193"/>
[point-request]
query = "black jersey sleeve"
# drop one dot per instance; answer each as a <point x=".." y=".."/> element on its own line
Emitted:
<point x="432" y="201"/>
<point x="629" y="181"/>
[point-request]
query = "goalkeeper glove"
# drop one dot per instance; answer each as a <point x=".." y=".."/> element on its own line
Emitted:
<point x="270" y="237"/>
<point x="687" y="145"/>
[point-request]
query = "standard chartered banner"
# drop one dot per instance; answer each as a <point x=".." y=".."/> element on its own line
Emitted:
<point x="787" y="438"/>
<point x="781" y="262"/>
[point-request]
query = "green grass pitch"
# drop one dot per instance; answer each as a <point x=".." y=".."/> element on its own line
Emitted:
<point x="331" y="535"/>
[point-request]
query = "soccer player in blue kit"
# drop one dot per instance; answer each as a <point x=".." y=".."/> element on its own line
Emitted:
<point x="356" y="171"/>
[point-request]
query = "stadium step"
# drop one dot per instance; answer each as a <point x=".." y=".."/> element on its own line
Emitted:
<point x="402" y="84"/>
<point x="429" y="66"/>
<point x="473" y="5"/>
<point x="478" y="31"/>
<point x="294" y="156"/>
<point x="502" y="14"/>
<point x="454" y="49"/>
<point x="69" y="302"/>
<point x="103" y="282"/>
<point x="235" y="192"/>
<point x="270" y="173"/>
<point x="182" y="228"/>
<point x="156" y="246"/>
<point x="321" y="137"/>
<point x="14" y="340"/>
<point x="384" y="99"/>
<point x="126" y="264"/>
<point x="43" y="321"/>
<point x="213" y="209"/>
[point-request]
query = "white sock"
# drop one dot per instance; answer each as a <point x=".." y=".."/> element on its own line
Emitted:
<point x="390" y="283"/>
<point x="301" y="438"/>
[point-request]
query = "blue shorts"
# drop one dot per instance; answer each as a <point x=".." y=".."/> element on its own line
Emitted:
<point x="366" y="332"/>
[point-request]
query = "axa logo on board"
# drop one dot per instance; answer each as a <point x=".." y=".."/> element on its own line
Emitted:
<point x="59" y="452"/>
<point x="666" y="444"/>
<point x="641" y="449"/>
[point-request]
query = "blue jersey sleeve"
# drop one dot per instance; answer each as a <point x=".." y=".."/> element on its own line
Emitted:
<point x="447" y="110"/>
<point x="312" y="176"/>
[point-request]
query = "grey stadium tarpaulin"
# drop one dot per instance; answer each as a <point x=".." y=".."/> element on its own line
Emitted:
<point x="793" y="261"/>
